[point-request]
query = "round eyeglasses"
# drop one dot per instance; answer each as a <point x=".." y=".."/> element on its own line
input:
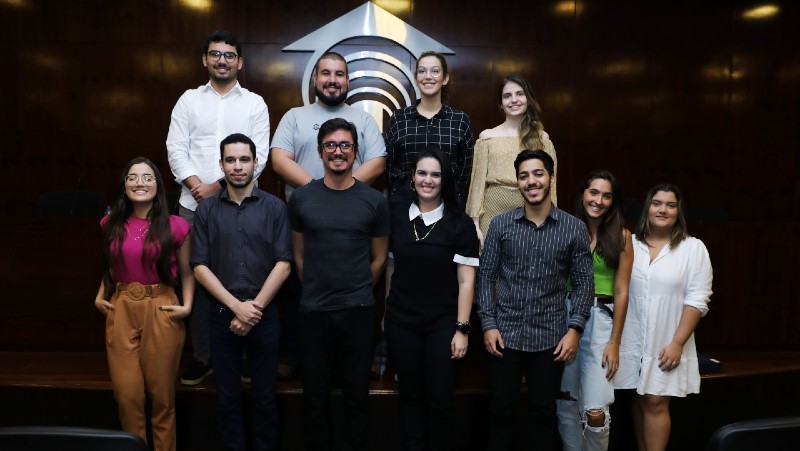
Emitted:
<point x="134" y="178"/>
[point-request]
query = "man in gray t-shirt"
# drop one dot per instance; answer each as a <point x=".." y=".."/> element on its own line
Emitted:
<point x="294" y="146"/>
<point x="340" y="231"/>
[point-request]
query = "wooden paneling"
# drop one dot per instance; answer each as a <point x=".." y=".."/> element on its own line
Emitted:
<point x="656" y="91"/>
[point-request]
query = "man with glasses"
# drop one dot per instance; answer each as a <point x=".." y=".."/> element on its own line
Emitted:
<point x="340" y="231"/>
<point x="200" y="120"/>
<point x="295" y="159"/>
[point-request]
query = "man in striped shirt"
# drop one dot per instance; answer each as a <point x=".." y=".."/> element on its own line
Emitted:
<point x="528" y="255"/>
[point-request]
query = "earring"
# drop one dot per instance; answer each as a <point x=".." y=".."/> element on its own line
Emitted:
<point x="412" y="185"/>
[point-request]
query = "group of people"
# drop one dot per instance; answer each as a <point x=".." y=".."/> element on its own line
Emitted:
<point x="573" y="306"/>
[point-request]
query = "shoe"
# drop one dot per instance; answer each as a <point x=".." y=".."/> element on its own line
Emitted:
<point x="286" y="370"/>
<point x="245" y="372"/>
<point x="196" y="373"/>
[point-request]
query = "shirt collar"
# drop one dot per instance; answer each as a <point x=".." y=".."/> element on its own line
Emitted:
<point x="555" y="214"/>
<point x="444" y="112"/>
<point x="427" y="218"/>
<point x="237" y="88"/>
<point x="223" y="194"/>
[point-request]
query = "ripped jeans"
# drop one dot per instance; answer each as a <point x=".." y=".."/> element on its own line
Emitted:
<point x="585" y="380"/>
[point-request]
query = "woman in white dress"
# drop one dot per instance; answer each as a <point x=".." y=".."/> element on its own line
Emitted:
<point x="669" y="293"/>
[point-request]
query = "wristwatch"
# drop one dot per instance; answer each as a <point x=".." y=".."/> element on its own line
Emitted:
<point x="462" y="327"/>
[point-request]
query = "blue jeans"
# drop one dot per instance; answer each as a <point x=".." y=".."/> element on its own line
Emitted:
<point x="585" y="380"/>
<point x="261" y="345"/>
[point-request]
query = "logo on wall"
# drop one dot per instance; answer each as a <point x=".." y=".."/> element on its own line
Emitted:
<point x="380" y="51"/>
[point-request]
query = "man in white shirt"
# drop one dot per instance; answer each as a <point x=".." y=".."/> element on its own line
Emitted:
<point x="201" y="119"/>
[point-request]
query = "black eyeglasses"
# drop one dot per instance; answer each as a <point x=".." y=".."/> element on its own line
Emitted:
<point x="344" y="146"/>
<point x="214" y="55"/>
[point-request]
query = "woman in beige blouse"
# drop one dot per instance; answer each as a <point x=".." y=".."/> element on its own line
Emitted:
<point x="493" y="187"/>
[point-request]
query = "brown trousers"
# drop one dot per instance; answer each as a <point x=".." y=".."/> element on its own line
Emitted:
<point x="144" y="350"/>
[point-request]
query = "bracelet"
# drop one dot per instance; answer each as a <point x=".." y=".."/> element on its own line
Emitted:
<point x="612" y="343"/>
<point x="617" y="333"/>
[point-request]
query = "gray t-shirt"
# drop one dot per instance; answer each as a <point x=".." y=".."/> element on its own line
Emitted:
<point x="299" y="127"/>
<point x="337" y="227"/>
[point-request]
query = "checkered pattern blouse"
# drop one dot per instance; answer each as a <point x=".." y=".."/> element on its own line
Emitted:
<point x="450" y="130"/>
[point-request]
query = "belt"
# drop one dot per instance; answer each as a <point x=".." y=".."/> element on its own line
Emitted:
<point x="137" y="291"/>
<point x="602" y="304"/>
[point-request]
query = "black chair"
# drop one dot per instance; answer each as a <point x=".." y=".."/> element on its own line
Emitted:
<point x="774" y="434"/>
<point x="57" y="438"/>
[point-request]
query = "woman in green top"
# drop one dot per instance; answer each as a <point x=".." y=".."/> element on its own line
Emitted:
<point x="586" y="387"/>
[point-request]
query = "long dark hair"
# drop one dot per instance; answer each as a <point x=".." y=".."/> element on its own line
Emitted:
<point x="679" y="230"/>
<point x="531" y="127"/>
<point x="158" y="236"/>
<point x="609" y="239"/>
<point x="449" y="197"/>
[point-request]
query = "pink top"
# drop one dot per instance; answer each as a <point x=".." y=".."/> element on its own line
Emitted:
<point x="131" y="268"/>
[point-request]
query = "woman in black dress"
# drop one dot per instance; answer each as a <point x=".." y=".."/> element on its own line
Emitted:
<point x="435" y="249"/>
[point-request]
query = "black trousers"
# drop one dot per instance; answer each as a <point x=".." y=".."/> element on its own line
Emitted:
<point x="543" y="376"/>
<point x="427" y="380"/>
<point x="261" y="345"/>
<point x="342" y="339"/>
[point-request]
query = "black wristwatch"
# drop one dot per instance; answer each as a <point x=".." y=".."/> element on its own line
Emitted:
<point x="462" y="327"/>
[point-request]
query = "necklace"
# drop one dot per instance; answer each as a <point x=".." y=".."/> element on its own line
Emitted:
<point x="414" y="224"/>
<point x="142" y="232"/>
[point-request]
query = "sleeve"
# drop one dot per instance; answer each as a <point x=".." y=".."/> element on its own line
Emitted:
<point x="200" y="238"/>
<point x="698" y="287"/>
<point x="485" y="288"/>
<point x="180" y="230"/>
<point x="467" y="246"/>
<point x="178" y="140"/>
<point x="477" y="184"/>
<point x="284" y="134"/>
<point x="581" y="274"/>
<point x="391" y="142"/>
<point x="373" y="144"/>
<point x="382" y="225"/>
<point x="282" y="247"/>
<point x="295" y="219"/>
<point x="466" y="148"/>
<point x="260" y="133"/>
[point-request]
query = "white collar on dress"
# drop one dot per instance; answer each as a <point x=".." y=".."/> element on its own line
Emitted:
<point x="429" y="217"/>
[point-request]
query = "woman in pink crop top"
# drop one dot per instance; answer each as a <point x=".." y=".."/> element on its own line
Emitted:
<point x="144" y="250"/>
<point x="587" y="390"/>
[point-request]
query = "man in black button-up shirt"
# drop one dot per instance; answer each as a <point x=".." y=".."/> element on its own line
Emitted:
<point x="241" y="254"/>
<point x="528" y="255"/>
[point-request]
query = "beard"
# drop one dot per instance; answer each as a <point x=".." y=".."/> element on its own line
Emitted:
<point x="331" y="100"/>
<point x="231" y="75"/>
<point x="239" y="184"/>
<point x="545" y="196"/>
<point x="338" y="171"/>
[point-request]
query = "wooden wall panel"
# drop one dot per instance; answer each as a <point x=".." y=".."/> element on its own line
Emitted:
<point x="652" y="91"/>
